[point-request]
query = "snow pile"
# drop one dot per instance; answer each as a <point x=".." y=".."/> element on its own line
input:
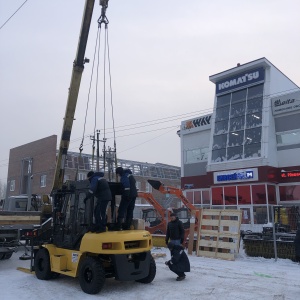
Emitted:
<point x="244" y="279"/>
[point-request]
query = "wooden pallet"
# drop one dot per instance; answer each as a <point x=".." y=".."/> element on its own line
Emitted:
<point x="219" y="233"/>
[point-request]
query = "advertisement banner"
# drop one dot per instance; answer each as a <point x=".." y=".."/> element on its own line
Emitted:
<point x="286" y="103"/>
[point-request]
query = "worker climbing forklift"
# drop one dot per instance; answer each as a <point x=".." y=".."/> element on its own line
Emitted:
<point x="64" y="243"/>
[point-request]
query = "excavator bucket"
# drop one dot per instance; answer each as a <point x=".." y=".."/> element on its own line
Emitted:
<point x="156" y="184"/>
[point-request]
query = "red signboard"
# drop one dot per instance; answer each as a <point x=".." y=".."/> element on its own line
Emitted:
<point x="290" y="174"/>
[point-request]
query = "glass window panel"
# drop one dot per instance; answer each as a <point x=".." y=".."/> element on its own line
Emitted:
<point x="190" y="196"/>
<point x="222" y="113"/>
<point x="260" y="214"/>
<point x="289" y="192"/>
<point x="253" y="120"/>
<point x="271" y="194"/>
<point x="223" y="100"/>
<point x="244" y="195"/>
<point x="197" y="197"/>
<point x="237" y="123"/>
<point x="255" y="91"/>
<point x="288" y="138"/>
<point x="246" y="217"/>
<point x="234" y="153"/>
<point x="259" y="194"/>
<point x="254" y="105"/>
<point x="193" y="156"/>
<point x="221" y="127"/>
<point x="218" y="155"/>
<point x="217" y="196"/>
<point x="237" y="109"/>
<point x="236" y="138"/>
<point x="252" y="150"/>
<point x="230" y="195"/>
<point x="205" y="197"/>
<point x="239" y="96"/>
<point x="220" y="141"/>
<point x="253" y="136"/>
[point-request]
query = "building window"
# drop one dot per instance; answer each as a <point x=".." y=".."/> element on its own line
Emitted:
<point x="289" y="192"/>
<point x="196" y="155"/>
<point x="66" y="177"/>
<point x="81" y="176"/>
<point x="12" y="185"/>
<point x="288" y="138"/>
<point x="238" y="124"/>
<point x="43" y="180"/>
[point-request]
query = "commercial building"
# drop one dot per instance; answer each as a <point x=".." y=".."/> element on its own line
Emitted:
<point x="246" y="153"/>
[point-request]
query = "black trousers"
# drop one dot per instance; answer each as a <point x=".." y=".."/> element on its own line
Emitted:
<point x="100" y="214"/>
<point x="126" y="208"/>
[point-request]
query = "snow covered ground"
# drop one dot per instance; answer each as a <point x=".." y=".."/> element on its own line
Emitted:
<point x="243" y="279"/>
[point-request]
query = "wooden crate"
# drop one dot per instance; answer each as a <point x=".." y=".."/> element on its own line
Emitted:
<point x="219" y="233"/>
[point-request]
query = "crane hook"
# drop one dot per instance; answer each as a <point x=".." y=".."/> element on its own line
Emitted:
<point x="103" y="18"/>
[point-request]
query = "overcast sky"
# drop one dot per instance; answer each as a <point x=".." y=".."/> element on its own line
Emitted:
<point x="162" y="53"/>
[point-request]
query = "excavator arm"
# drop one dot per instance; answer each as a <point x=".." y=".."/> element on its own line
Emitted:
<point x="164" y="189"/>
<point x="149" y="197"/>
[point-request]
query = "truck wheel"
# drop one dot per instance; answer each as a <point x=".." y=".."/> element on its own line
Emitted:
<point x="42" y="265"/>
<point x="91" y="275"/>
<point x="8" y="255"/>
<point x="152" y="272"/>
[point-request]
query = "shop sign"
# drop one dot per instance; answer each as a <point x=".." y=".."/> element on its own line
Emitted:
<point x="241" y="80"/>
<point x="236" y="176"/>
<point x="286" y="103"/>
<point x="199" y="123"/>
<point x="291" y="174"/>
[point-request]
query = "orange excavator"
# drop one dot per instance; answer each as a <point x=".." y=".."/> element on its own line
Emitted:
<point x="155" y="217"/>
<point x="158" y="223"/>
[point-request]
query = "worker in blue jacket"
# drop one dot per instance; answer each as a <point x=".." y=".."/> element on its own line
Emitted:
<point x="100" y="189"/>
<point x="128" y="197"/>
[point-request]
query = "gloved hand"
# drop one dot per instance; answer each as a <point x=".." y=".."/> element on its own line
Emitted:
<point x="167" y="262"/>
<point x="181" y="241"/>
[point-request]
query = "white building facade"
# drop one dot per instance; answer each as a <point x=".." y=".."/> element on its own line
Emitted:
<point x="246" y="154"/>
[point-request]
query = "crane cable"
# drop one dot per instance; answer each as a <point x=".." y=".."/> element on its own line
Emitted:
<point x="102" y="20"/>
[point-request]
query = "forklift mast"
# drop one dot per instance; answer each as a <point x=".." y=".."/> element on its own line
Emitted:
<point x="78" y="67"/>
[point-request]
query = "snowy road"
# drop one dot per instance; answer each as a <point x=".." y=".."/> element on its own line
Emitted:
<point x="210" y="279"/>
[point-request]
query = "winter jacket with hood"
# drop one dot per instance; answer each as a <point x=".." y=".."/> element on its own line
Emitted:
<point x="129" y="184"/>
<point x="99" y="187"/>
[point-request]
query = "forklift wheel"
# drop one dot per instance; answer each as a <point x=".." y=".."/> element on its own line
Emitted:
<point x="152" y="272"/>
<point x="91" y="275"/>
<point x="42" y="265"/>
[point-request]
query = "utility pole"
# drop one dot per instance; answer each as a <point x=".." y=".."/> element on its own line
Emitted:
<point x="98" y="156"/>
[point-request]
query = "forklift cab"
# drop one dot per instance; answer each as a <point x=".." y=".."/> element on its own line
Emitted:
<point x="72" y="218"/>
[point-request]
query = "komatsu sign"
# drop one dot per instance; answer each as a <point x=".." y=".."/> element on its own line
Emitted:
<point x="247" y="78"/>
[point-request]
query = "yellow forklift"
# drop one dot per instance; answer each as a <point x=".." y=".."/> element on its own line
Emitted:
<point x="64" y="244"/>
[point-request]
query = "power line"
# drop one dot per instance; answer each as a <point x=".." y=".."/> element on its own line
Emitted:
<point x="13" y="15"/>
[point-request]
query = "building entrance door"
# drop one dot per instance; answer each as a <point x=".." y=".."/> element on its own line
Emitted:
<point x="247" y="215"/>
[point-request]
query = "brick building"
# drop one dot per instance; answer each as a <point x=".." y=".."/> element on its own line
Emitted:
<point x="36" y="160"/>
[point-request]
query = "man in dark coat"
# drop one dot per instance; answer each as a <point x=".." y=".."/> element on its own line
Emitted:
<point x="179" y="262"/>
<point x="128" y="197"/>
<point x="99" y="188"/>
<point x="175" y="231"/>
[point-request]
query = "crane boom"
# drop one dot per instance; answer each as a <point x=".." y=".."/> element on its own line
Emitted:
<point x="78" y="67"/>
